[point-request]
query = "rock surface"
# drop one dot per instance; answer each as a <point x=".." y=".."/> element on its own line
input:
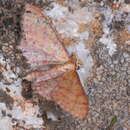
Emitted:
<point x="96" y="33"/>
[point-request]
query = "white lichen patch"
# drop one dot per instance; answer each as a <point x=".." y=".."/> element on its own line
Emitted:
<point x="5" y="122"/>
<point x="84" y="55"/>
<point x="106" y="38"/>
<point x="28" y="112"/>
<point x="128" y="28"/>
<point x="57" y="11"/>
<point x="51" y="116"/>
<point x="109" y="43"/>
<point x="125" y="8"/>
<point x="67" y="28"/>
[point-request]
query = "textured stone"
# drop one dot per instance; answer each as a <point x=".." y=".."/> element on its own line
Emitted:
<point x="99" y="21"/>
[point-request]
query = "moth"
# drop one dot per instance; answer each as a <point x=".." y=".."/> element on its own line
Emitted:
<point x="41" y="47"/>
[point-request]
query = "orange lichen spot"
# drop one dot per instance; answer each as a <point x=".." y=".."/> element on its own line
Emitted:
<point x="116" y="6"/>
<point x="83" y="27"/>
<point x="123" y="37"/>
<point x="61" y="2"/>
<point x="96" y="28"/>
<point x="67" y="41"/>
<point x="96" y="31"/>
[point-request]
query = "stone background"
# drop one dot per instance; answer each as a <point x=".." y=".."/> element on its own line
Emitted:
<point x="97" y="33"/>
